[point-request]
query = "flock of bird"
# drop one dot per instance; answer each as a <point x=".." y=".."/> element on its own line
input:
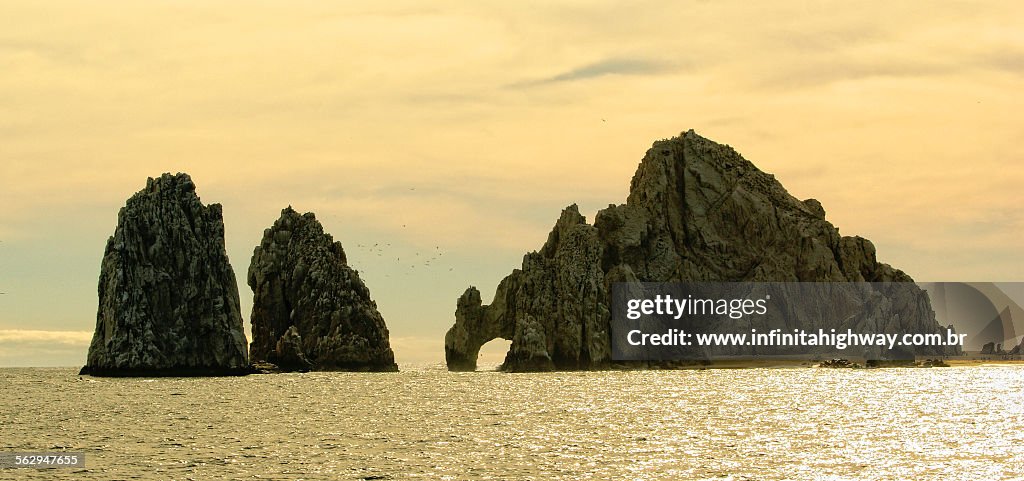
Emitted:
<point x="422" y="260"/>
<point x="427" y="260"/>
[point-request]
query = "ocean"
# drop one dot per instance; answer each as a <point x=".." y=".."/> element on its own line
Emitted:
<point x="426" y="423"/>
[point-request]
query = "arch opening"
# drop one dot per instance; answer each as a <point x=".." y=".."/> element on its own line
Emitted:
<point x="492" y="354"/>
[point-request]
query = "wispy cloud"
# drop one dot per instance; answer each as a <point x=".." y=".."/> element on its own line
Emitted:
<point x="828" y="70"/>
<point x="39" y="348"/>
<point x="602" y="68"/>
<point x="1008" y="60"/>
<point x="65" y="338"/>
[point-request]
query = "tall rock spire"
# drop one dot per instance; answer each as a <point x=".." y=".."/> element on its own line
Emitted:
<point x="168" y="300"/>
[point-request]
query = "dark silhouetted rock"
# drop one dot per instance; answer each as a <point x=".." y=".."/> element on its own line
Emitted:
<point x="310" y="309"/>
<point x="838" y="364"/>
<point x="168" y="300"/>
<point x="933" y="363"/>
<point x="263" y="367"/>
<point x="875" y="363"/>
<point x="696" y="211"/>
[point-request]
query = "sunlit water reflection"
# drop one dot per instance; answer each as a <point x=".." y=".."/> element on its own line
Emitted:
<point x="425" y="423"/>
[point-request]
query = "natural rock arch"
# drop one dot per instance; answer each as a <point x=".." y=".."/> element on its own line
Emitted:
<point x="696" y="211"/>
<point x="471" y="331"/>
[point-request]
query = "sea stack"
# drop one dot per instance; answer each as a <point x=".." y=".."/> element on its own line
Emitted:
<point x="168" y="300"/>
<point x="311" y="311"/>
<point x="696" y="211"/>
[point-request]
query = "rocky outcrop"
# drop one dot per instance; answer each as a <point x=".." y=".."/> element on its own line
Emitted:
<point x="168" y="300"/>
<point x="696" y="211"/>
<point x="839" y="364"/>
<point x="563" y="281"/>
<point x="310" y="309"/>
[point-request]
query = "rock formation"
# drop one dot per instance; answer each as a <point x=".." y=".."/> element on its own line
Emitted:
<point x="310" y="309"/>
<point x="168" y="300"/>
<point x="696" y="211"/>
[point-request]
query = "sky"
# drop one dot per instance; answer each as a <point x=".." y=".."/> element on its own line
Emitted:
<point x="463" y="128"/>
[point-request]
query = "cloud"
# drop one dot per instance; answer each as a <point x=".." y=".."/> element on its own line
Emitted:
<point x="38" y="348"/>
<point x="610" y="66"/>
<point x="828" y="70"/>
<point x="1006" y="60"/>
<point x="64" y="338"/>
<point x="49" y="51"/>
<point x="829" y="39"/>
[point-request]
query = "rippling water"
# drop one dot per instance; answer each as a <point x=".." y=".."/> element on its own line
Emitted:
<point x="426" y="423"/>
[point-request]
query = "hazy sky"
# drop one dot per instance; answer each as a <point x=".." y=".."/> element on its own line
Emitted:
<point x="465" y="127"/>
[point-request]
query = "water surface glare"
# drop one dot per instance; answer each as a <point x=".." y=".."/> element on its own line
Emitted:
<point x="426" y="423"/>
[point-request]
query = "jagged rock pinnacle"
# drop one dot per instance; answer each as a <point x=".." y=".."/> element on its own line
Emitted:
<point x="311" y="311"/>
<point x="168" y="300"/>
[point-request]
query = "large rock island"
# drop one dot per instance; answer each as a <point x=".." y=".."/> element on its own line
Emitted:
<point x="696" y="211"/>
<point x="168" y="300"/>
<point x="311" y="311"/>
